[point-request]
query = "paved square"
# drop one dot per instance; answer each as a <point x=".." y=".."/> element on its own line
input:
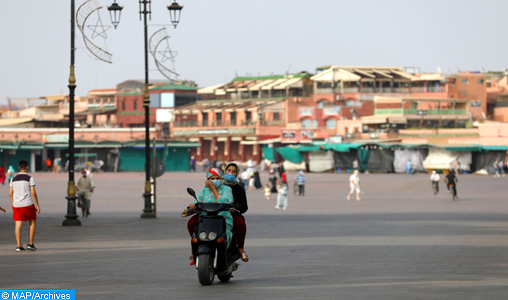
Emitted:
<point x="399" y="242"/>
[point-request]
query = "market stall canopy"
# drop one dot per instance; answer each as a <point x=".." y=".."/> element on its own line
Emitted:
<point x="335" y="75"/>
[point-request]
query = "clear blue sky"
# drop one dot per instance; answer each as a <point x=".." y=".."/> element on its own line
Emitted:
<point x="215" y="39"/>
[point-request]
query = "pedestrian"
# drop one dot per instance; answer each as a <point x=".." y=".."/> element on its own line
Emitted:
<point x="100" y="165"/>
<point x="193" y="164"/>
<point x="245" y="179"/>
<point x="354" y="184"/>
<point x="300" y="180"/>
<point x="85" y="183"/>
<point x="282" y="196"/>
<point x="355" y="165"/>
<point x="500" y="166"/>
<point x="25" y="204"/>
<point x="434" y="178"/>
<point x="55" y="165"/>
<point x="456" y="166"/>
<point x="48" y="164"/>
<point x="257" y="180"/>
<point x="273" y="182"/>
<point x="252" y="179"/>
<point x="409" y="167"/>
<point x="205" y="164"/>
<point x="496" y="169"/>
<point x="267" y="192"/>
<point x="283" y="177"/>
<point x="2" y="175"/>
<point x="10" y="174"/>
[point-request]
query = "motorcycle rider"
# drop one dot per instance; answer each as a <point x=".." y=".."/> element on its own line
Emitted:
<point x="214" y="192"/>
<point x="452" y="179"/>
<point x="239" y="198"/>
<point x="434" y="178"/>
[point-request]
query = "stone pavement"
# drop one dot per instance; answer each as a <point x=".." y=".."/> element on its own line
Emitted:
<point x="399" y="242"/>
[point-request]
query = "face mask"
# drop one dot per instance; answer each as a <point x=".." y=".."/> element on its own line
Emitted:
<point x="229" y="177"/>
<point x="216" y="183"/>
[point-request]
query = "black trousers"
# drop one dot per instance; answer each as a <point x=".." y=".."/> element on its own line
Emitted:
<point x="301" y="189"/>
<point x="454" y="188"/>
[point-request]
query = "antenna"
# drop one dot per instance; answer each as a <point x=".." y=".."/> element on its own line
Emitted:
<point x="289" y="67"/>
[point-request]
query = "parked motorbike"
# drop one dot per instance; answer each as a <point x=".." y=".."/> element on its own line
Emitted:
<point x="209" y="243"/>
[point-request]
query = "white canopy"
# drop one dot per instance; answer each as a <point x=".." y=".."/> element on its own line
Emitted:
<point x="335" y="75"/>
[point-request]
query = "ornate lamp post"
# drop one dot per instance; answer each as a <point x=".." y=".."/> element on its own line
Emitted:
<point x="174" y="12"/>
<point x="71" y="219"/>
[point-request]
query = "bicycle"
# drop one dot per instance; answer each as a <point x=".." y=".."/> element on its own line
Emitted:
<point x="434" y="186"/>
<point x="83" y="203"/>
<point x="452" y="191"/>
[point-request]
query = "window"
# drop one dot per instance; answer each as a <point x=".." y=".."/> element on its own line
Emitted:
<point x="90" y="101"/>
<point x="135" y="105"/>
<point x="123" y="105"/>
<point x="98" y="100"/>
<point x="464" y="81"/>
<point x="248" y="116"/>
<point x="218" y="117"/>
<point x="481" y="81"/>
<point x="276" y="116"/>
<point x="233" y="118"/>
<point x="205" y="119"/>
<point x="331" y="124"/>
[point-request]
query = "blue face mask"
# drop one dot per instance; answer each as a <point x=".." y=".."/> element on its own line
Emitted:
<point x="229" y="177"/>
<point x="216" y="183"/>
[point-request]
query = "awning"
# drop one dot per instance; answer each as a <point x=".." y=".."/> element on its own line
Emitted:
<point x="14" y="121"/>
<point x="258" y="85"/>
<point x="264" y="142"/>
<point x="373" y="120"/>
<point x="211" y="89"/>
<point x="275" y="83"/>
<point x="290" y="154"/>
<point x="294" y="82"/>
<point x="380" y="99"/>
<point x="335" y="75"/>
<point x="397" y="120"/>
<point x="495" y="148"/>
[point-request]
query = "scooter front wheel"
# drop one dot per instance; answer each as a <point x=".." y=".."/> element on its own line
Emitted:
<point x="205" y="269"/>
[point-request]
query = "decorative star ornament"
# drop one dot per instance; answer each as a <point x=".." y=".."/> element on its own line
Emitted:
<point x="167" y="54"/>
<point x="99" y="29"/>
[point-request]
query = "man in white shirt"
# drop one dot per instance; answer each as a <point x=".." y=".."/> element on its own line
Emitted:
<point x="434" y="178"/>
<point x="85" y="183"/>
<point x="354" y="184"/>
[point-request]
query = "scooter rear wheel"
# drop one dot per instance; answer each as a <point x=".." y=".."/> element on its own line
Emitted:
<point x="205" y="269"/>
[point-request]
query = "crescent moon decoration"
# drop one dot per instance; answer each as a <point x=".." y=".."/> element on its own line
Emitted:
<point x="83" y="13"/>
<point x="155" y="41"/>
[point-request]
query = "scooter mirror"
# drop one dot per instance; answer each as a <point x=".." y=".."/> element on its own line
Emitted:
<point x="191" y="192"/>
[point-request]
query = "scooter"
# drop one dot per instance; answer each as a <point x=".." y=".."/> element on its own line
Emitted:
<point x="209" y="243"/>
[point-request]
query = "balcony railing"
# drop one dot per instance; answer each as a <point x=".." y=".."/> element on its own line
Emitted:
<point x="220" y="123"/>
<point x="414" y="111"/>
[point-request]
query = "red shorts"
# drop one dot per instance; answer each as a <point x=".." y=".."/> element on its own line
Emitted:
<point x="26" y="213"/>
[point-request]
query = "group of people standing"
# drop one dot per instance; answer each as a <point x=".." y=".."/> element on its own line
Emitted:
<point x="6" y="175"/>
<point x="498" y="166"/>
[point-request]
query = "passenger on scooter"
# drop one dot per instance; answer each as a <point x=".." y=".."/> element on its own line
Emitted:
<point x="239" y="198"/>
<point x="214" y="192"/>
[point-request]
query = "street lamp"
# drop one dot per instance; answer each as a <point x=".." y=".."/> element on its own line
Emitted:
<point x="148" y="212"/>
<point x="71" y="219"/>
<point x="115" y="11"/>
<point x="174" y="13"/>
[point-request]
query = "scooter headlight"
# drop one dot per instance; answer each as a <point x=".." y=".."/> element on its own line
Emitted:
<point x="212" y="235"/>
<point x="202" y="235"/>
